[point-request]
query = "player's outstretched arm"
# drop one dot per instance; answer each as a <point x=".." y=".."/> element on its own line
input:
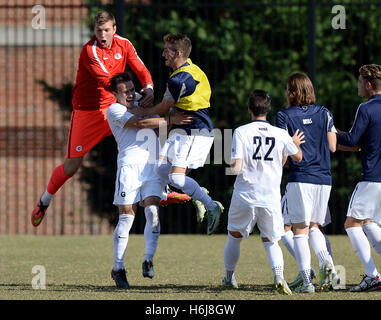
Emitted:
<point x="151" y="123"/>
<point x="160" y="109"/>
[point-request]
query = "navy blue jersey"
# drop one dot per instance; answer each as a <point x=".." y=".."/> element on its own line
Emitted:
<point x="366" y="132"/>
<point x="315" y="121"/>
<point x="183" y="85"/>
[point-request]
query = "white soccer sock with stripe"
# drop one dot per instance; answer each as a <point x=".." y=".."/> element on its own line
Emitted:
<point x="318" y="244"/>
<point x="231" y="255"/>
<point x="192" y="189"/>
<point x="275" y="256"/>
<point x="121" y="235"/>
<point x="362" y="248"/>
<point x="151" y="234"/>
<point x="373" y="232"/>
<point x="303" y="256"/>
<point x="288" y="241"/>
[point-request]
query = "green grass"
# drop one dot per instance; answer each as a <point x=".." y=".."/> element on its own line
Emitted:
<point x="187" y="267"/>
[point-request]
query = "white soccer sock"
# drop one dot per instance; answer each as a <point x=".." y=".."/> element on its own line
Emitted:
<point x="231" y="255"/>
<point x="373" y="232"/>
<point x="151" y="234"/>
<point x="192" y="188"/>
<point x="303" y="256"/>
<point x="328" y="244"/>
<point x="46" y="198"/>
<point x="275" y="256"/>
<point x="121" y="235"/>
<point x="362" y="248"/>
<point x="288" y="241"/>
<point x="318" y="244"/>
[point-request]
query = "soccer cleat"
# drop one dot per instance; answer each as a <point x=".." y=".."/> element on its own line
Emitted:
<point x="281" y="286"/>
<point x="147" y="268"/>
<point x="175" y="197"/>
<point x="299" y="279"/>
<point x="120" y="279"/>
<point x="367" y="284"/>
<point x="38" y="214"/>
<point x="232" y="284"/>
<point x="200" y="208"/>
<point x="305" y="288"/>
<point x="214" y="217"/>
<point x="325" y="276"/>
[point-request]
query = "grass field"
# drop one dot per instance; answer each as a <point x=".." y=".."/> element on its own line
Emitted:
<point x="187" y="267"/>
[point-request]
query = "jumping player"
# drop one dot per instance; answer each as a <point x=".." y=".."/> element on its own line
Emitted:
<point x="188" y="90"/>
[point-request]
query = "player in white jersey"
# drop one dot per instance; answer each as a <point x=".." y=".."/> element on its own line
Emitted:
<point x="136" y="180"/>
<point x="258" y="152"/>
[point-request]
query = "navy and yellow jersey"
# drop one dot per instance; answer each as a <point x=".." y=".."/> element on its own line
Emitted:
<point x="188" y="87"/>
<point x="366" y="132"/>
<point x="315" y="121"/>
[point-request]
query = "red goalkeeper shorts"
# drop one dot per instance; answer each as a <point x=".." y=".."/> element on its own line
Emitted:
<point x="87" y="129"/>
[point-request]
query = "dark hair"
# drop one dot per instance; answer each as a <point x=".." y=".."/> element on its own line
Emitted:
<point x="372" y="74"/>
<point x="121" y="77"/>
<point x="259" y="102"/>
<point x="102" y="17"/>
<point x="179" y="42"/>
<point x="300" y="90"/>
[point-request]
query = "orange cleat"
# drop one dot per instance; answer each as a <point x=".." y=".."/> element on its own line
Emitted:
<point x="38" y="213"/>
<point x="175" y="197"/>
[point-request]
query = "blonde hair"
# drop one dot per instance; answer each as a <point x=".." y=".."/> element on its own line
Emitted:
<point x="180" y="42"/>
<point x="300" y="90"/>
<point x="372" y="74"/>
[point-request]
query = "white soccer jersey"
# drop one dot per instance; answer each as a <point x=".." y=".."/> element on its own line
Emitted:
<point x="261" y="146"/>
<point x="135" y="146"/>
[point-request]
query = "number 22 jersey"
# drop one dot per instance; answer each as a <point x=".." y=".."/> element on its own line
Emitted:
<point x="261" y="146"/>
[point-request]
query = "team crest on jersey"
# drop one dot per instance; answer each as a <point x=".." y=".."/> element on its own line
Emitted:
<point x="307" y="121"/>
<point x="118" y="56"/>
<point x="78" y="148"/>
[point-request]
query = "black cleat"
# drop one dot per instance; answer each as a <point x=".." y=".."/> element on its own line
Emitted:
<point x="147" y="267"/>
<point x="120" y="278"/>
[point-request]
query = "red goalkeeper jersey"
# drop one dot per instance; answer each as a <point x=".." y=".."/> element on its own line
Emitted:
<point x="98" y="65"/>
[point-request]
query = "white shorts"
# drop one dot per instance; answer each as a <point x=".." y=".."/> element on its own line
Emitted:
<point x="136" y="182"/>
<point x="286" y="216"/>
<point x="307" y="202"/>
<point x="186" y="151"/>
<point x="366" y="202"/>
<point x="243" y="216"/>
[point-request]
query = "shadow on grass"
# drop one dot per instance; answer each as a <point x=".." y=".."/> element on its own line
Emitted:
<point x="162" y="288"/>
